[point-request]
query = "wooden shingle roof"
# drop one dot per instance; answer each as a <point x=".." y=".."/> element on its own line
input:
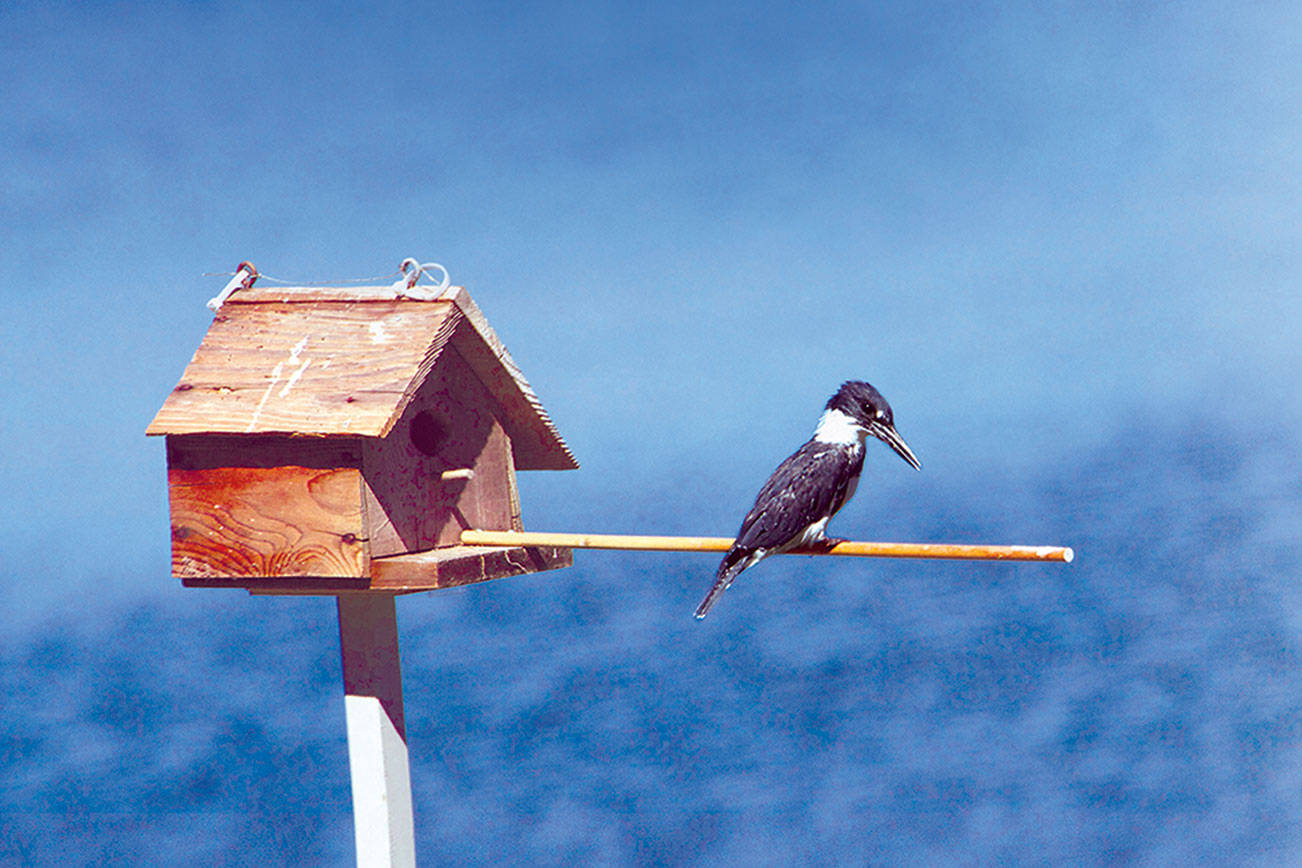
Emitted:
<point x="346" y="362"/>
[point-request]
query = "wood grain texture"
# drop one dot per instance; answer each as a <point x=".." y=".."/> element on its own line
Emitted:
<point x="463" y="565"/>
<point x="845" y="548"/>
<point x="537" y="443"/>
<point x="262" y="293"/>
<point x="513" y="493"/>
<point x="409" y="507"/>
<point x="327" y="361"/>
<point x="267" y="521"/>
<point x="411" y="573"/>
<point x="306" y="368"/>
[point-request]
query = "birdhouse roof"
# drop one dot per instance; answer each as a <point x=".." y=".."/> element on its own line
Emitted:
<point x="346" y="362"/>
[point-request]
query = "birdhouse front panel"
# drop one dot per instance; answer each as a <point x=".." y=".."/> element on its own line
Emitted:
<point x="266" y="506"/>
<point x="444" y="467"/>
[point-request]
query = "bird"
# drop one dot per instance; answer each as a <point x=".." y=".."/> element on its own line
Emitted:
<point x="807" y="489"/>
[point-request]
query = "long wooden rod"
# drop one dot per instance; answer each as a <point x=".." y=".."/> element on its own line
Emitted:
<point x="721" y="544"/>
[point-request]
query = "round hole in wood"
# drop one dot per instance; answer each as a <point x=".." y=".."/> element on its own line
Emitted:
<point x="429" y="432"/>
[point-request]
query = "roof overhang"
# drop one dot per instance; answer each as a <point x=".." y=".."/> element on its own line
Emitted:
<point x="333" y="362"/>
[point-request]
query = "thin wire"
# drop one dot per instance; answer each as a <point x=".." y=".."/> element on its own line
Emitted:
<point x="383" y="277"/>
<point x="399" y="275"/>
<point x="407" y="287"/>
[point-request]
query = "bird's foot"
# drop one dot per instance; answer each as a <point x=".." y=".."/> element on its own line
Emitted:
<point x="825" y="544"/>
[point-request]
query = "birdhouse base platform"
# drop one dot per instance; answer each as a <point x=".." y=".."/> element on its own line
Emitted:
<point x="430" y="570"/>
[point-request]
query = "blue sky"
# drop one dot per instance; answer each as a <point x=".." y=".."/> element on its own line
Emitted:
<point x="1028" y="225"/>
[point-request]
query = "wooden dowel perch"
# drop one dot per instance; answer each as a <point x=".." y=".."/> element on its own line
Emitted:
<point x="721" y="544"/>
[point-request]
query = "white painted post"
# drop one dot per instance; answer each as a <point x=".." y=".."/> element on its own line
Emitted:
<point x="377" y="734"/>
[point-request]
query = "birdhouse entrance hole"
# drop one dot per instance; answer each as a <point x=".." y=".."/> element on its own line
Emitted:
<point x="429" y="432"/>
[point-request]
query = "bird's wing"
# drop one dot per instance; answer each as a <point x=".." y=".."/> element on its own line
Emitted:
<point x="814" y="482"/>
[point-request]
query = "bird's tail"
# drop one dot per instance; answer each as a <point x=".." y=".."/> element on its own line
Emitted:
<point x="734" y="562"/>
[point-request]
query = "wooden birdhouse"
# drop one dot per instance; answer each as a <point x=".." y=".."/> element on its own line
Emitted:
<point x="328" y="440"/>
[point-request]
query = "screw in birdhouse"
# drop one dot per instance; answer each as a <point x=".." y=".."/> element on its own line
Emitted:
<point x="348" y="539"/>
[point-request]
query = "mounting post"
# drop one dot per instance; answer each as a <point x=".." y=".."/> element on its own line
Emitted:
<point x="377" y="734"/>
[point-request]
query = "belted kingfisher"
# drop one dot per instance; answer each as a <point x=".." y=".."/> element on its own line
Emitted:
<point x="807" y="489"/>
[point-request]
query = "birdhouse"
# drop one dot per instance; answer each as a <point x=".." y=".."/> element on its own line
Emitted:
<point x="330" y="440"/>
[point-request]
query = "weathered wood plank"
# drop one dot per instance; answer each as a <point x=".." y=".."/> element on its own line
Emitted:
<point x="437" y="343"/>
<point x="411" y="573"/>
<point x="312" y="368"/>
<point x="261" y="293"/>
<point x="463" y="565"/>
<point x="513" y="492"/>
<point x="267" y="521"/>
<point x="290" y="586"/>
<point x="450" y="425"/>
<point x="538" y="445"/>
<point x="322" y="360"/>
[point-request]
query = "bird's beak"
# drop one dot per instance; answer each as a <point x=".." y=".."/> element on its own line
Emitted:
<point x="888" y="435"/>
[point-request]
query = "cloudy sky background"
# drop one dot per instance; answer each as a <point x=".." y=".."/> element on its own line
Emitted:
<point x="1026" y="225"/>
<point x="688" y="223"/>
<point x="1038" y="228"/>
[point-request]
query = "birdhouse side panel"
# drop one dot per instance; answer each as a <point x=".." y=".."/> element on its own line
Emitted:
<point x="445" y="466"/>
<point x="266" y="507"/>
